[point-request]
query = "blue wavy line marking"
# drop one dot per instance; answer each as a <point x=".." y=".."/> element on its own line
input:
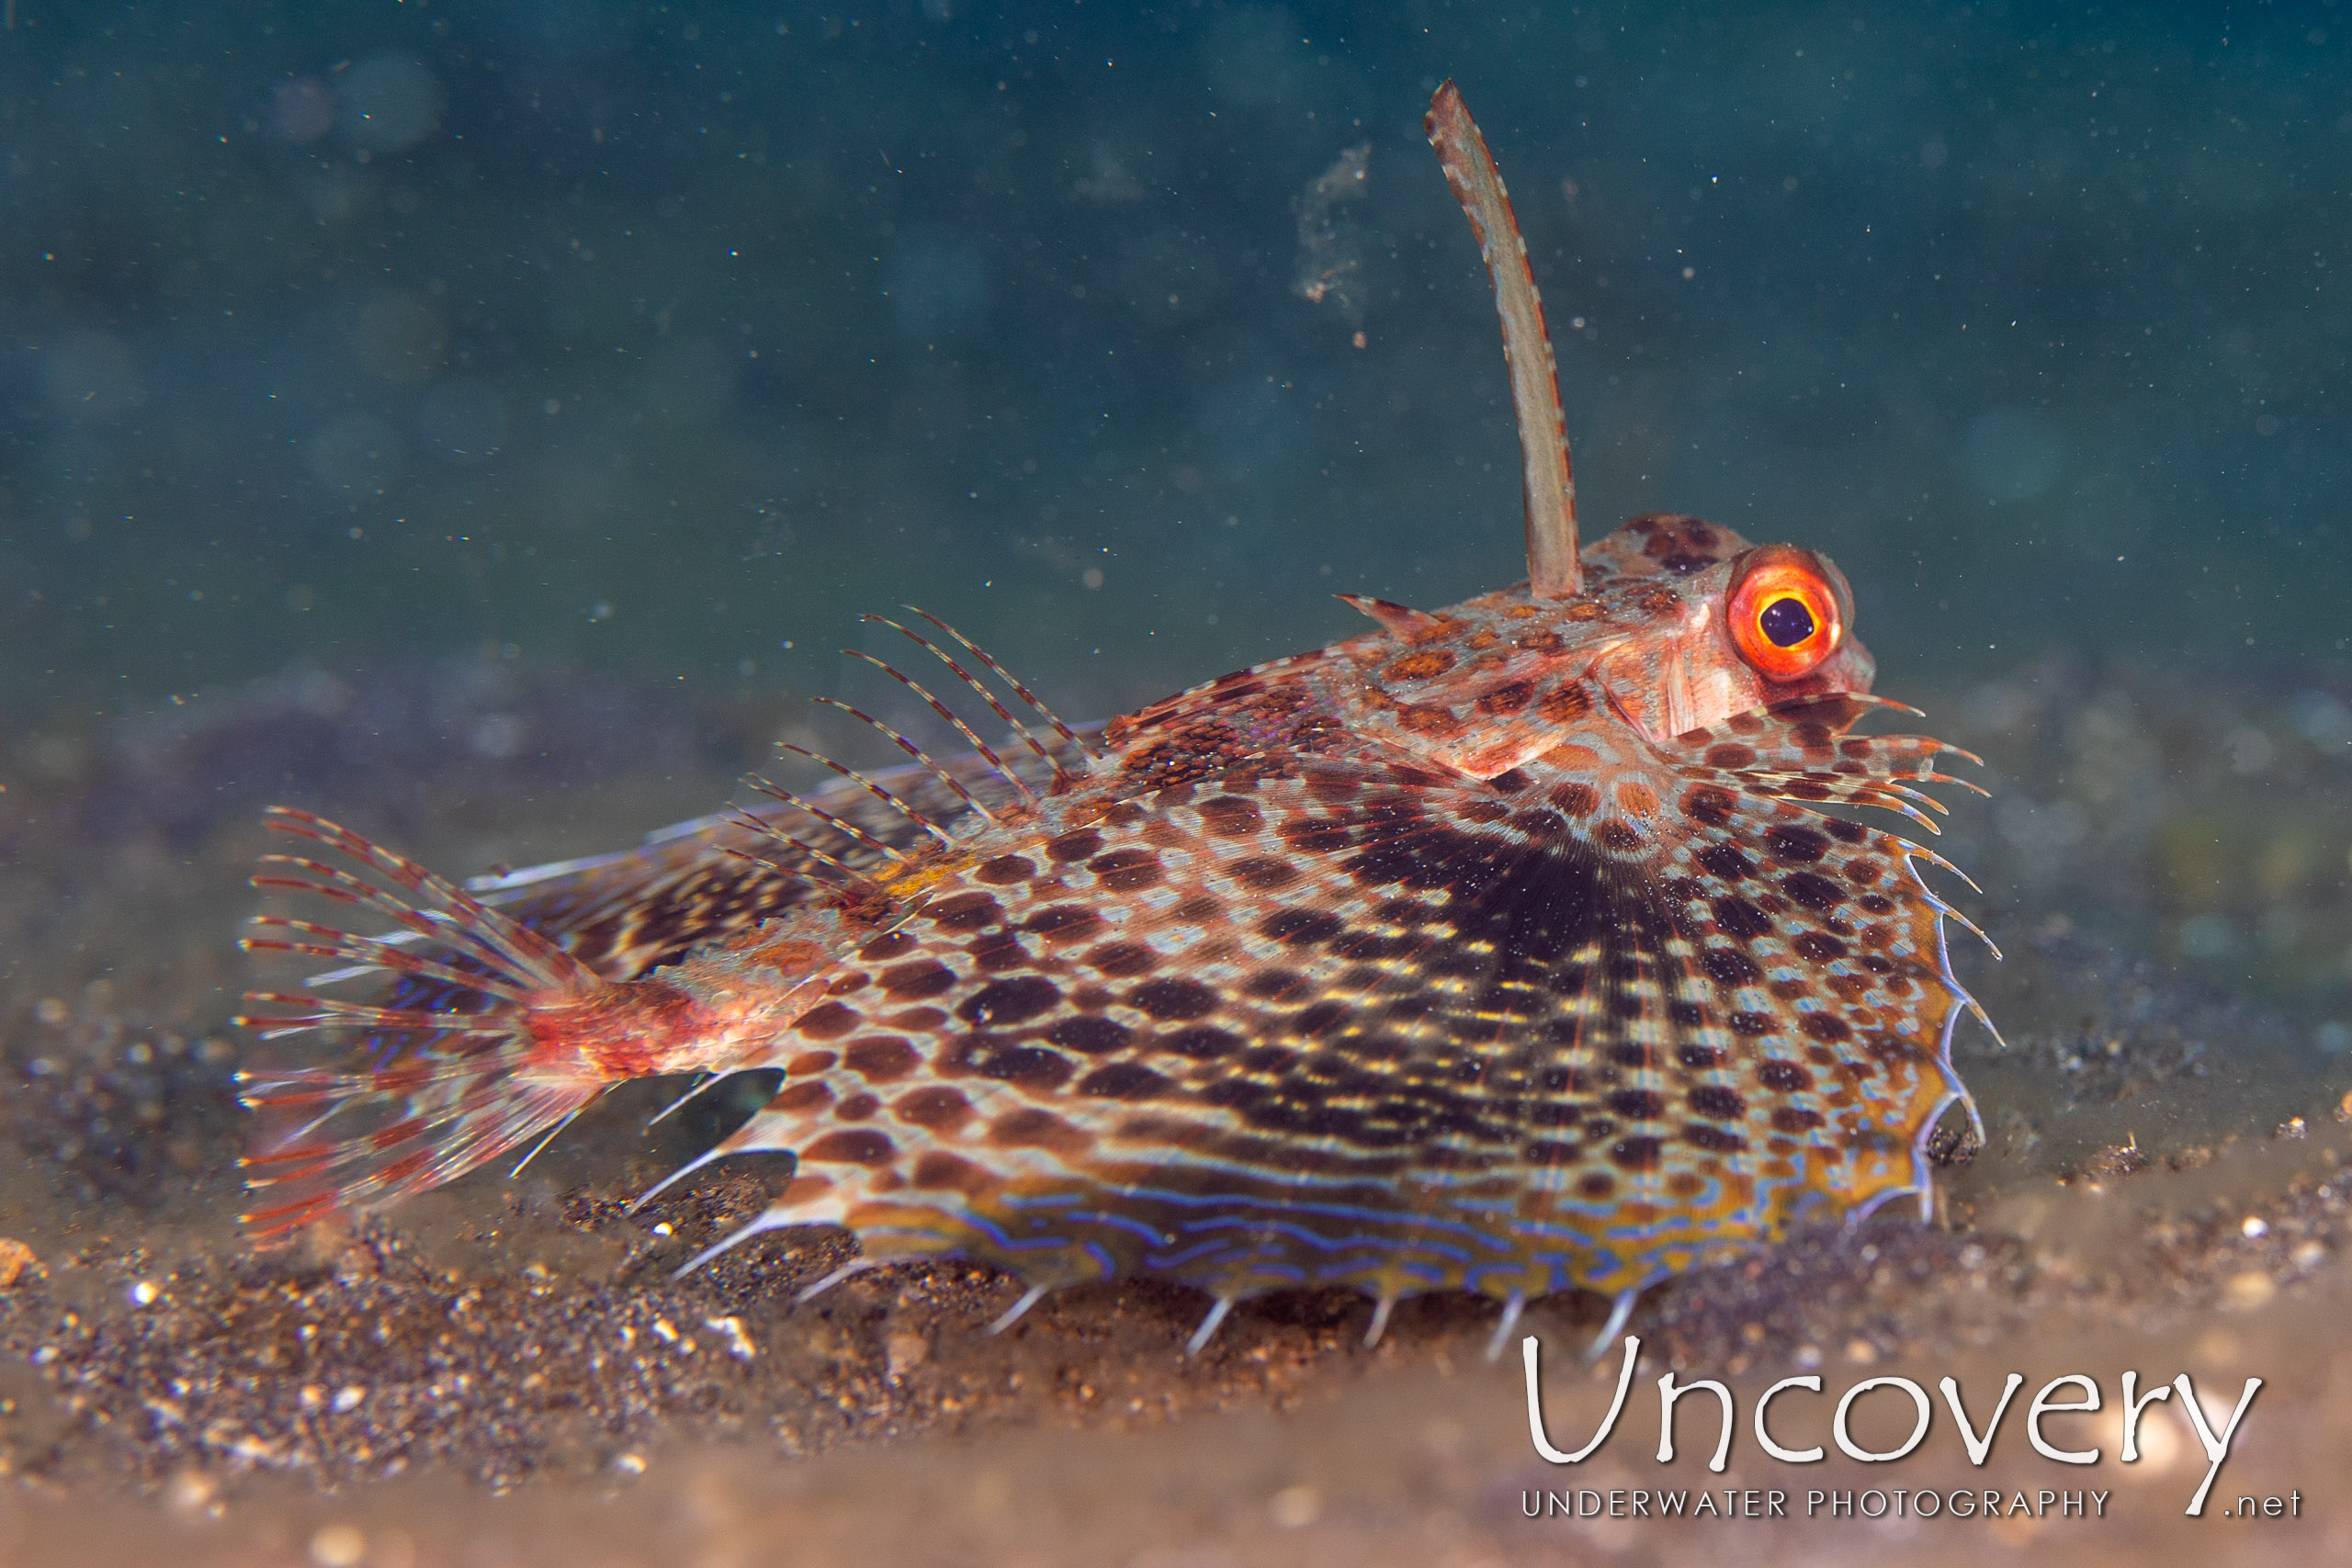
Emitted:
<point x="1320" y="1242"/>
<point x="1377" y="1217"/>
<point x="1429" y="1274"/>
<point x="1558" y="1272"/>
<point x="1041" y="1200"/>
<point x="1152" y="1234"/>
<point x="997" y="1234"/>
<point x="1337" y="1211"/>
<point x="1178" y="1259"/>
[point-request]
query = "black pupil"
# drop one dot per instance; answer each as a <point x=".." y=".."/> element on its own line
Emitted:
<point x="1787" y="622"/>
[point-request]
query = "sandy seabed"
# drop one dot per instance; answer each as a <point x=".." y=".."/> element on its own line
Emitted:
<point x="506" y="1373"/>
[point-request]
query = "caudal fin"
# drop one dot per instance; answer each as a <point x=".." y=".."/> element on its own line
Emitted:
<point x="439" y="1087"/>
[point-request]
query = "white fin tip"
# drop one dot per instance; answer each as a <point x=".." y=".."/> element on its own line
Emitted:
<point x="1019" y="1308"/>
<point x="1209" y="1325"/>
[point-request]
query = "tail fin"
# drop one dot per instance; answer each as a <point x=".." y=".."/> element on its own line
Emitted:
<point x="440" y="1089"/>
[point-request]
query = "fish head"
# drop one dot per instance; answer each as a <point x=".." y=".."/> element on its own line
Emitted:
<point x="1759" y="626"/>
<point x="1683" y="624"/>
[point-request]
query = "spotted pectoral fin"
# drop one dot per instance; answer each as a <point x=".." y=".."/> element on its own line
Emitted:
<point x="1385" y="1028"/>
<point x="1815" y="732"/>
<point x="1034" y="1073"/>
<point x="1803" y="751"/>
<point x="1824" y="947"/>
<point x="1614" y="1030"/>
<point x="1601" y="1032"/>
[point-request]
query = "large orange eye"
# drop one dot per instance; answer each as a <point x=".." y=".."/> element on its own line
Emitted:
<point x="1786" y="610"/>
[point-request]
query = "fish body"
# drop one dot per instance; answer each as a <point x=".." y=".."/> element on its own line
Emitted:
<point x="1515" y="947"/>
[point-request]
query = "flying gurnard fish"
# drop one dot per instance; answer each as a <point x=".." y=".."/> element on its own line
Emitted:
<point x="1508" y="948"/>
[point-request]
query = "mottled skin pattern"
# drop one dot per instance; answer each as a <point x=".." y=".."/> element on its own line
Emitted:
<point x="1505" y="948"/>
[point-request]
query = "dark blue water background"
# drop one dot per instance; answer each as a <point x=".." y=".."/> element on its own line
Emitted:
<point x="665" y="338"/>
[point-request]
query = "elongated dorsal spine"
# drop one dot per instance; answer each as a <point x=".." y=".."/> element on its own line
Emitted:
<point x="1547" y="479"/>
